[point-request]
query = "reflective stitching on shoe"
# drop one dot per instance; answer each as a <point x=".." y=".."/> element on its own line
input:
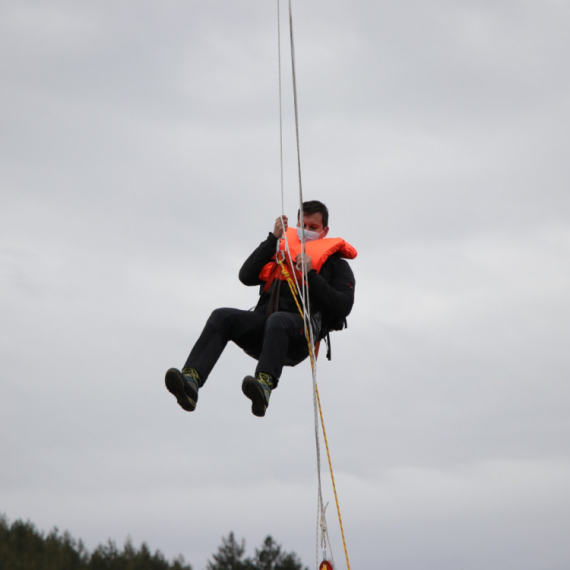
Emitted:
<point x="194" y="374"/>
<point x="265" y="383"/>
<point x="265" y="379"/>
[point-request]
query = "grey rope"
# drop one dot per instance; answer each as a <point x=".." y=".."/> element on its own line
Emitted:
<point x="305" y="296"/>
<point x="302" y="287"/>
<point x="280" y="109"/>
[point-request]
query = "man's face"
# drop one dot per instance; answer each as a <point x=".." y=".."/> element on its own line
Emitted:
<point x="314" y="223"/>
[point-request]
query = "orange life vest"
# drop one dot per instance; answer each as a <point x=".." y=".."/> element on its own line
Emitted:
<point x="319" y="250"/>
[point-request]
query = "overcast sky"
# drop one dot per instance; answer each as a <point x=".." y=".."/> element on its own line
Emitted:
<point x="139" y="158"/>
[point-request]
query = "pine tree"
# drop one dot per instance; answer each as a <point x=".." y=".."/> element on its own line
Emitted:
<point x="229" y="555"/>
<point x="270" y="557"/>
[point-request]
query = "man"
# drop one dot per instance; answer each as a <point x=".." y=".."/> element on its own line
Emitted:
<point x="273" y="333"/>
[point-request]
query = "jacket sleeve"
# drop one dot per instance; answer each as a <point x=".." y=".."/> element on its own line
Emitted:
<point x="335" y="296"/>
<point x="250" y="270"/>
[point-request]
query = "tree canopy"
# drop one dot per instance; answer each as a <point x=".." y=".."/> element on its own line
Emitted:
<point x="24" y="547"/>
<point x="230" y="556"/>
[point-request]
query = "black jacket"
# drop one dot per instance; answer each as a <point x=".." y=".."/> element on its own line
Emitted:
<point x="331" y="291"/>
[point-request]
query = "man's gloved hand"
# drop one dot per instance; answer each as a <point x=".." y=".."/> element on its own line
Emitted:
<point x="303" y="263"/>
<point x="280" y="226"/>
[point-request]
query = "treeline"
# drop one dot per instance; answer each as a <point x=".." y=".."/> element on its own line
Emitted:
<point x="24" y="547"/>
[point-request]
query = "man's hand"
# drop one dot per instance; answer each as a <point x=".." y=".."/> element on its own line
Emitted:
<point x="303" y="263"/>
<point x="280" y="226"/>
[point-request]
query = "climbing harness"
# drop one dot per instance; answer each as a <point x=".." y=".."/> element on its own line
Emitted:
<point x="299" y="290"/>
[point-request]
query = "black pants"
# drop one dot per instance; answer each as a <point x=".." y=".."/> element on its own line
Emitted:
<point x="274" y="341"/>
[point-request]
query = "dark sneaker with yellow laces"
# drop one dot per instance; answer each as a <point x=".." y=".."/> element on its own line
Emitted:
<point x="258" y="390"/>
<point x="184" y="386"/>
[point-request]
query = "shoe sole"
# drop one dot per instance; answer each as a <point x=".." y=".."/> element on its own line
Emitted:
<point x="175" y="385"/>
<point x="252" y="390"/>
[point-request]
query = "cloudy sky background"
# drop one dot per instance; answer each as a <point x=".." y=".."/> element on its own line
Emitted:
<point x="140" y="166"/>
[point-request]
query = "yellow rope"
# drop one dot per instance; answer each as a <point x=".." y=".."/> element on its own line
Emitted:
<point x="332" y="477"/>
<point x="294" y="291"/>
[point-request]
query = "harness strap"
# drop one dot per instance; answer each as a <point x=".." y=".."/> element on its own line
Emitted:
<point x="275" y="274"/>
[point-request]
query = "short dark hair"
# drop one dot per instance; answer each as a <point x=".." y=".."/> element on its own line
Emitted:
<point x="315" y="207"/>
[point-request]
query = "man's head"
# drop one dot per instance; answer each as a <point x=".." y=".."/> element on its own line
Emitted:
<point x="315" y="218"/>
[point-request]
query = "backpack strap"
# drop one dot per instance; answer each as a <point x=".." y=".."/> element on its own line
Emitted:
<point x="328" y="341"/>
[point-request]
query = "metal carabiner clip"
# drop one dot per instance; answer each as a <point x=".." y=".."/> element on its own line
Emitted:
<point x="278" y="251"/>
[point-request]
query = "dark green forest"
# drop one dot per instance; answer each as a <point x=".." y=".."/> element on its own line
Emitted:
<point x="24" y="547"/>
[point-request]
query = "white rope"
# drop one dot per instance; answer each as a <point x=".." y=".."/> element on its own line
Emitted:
<point x="302" y="287"/>
<point x="280" y="111"/>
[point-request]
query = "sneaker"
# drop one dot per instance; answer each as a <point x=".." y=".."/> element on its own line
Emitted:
<point x="184" y="386"/>
<point x="258" y="390"/>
